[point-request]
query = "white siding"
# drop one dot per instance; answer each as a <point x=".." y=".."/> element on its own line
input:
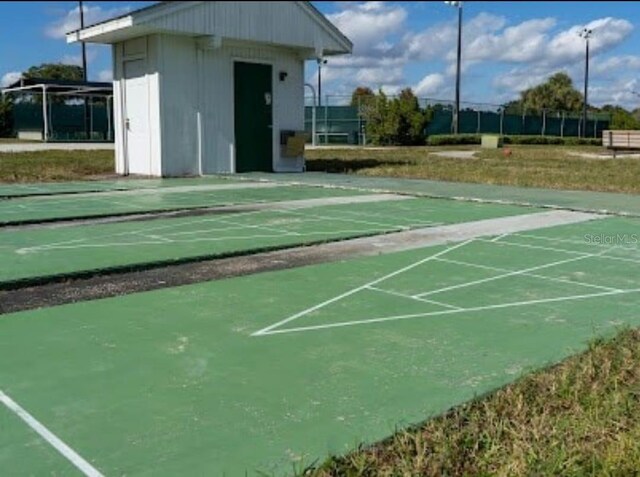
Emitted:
<point x="179" y="106"/>
<point x="276" y="23"/>
<point x="118" y="119"/>
<point x="154" y="57"/>
<point x="200" y="82"/>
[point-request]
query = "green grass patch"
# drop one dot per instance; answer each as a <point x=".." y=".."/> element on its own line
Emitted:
<point x="457" y="139"/>
<point x="54" y="166"/>
<point x="551" y="167"/>
<point x="576" y="418"/>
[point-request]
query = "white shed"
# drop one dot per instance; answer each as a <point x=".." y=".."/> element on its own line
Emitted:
<point x="208" y="87"/>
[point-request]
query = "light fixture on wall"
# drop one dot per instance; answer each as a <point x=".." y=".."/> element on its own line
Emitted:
<point x="283" y="75"/>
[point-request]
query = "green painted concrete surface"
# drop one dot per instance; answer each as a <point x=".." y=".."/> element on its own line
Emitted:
<point x="177" y="381"/>
<point x="114" y="203"/>
<point x="580" y="200"/>
<point x="45" y="252"/>
<point x="71" y="187"/>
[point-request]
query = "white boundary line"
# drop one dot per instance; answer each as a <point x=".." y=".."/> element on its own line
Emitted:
<point x="446" y="312"/>
<point x="499" y="237"/>
<point x="424" y="300"/>
<point x="576" y="242"/>
<point x="551" y="249"/>
<point x="268" y="329"/>
<point x="55" y="442"/>
<point x="505" y="275"/>
<point x="543" y="277"/>
<point x="172" y="237"/>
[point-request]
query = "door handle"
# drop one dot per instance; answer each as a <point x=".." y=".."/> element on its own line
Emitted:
<point x="127" y="123"/>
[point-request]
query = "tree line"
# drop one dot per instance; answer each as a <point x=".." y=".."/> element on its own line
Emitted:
<point x="401" y="121"/>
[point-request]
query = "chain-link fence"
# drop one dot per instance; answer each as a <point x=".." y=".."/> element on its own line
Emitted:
<point x="339" y="122"/>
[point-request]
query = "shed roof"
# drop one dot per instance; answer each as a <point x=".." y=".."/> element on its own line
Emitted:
<point x="60" y="86"/>
<point x="296" y="25"/>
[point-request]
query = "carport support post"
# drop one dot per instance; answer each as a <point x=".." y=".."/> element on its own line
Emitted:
<point x="326" y="121"/>
<point x="313" y="113"/>
<point x="90" y="117"/>
<point x="45" y="119"/>
<point x="109" y="99"/>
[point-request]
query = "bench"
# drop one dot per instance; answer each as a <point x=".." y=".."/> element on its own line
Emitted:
<point x="621" y="140"/>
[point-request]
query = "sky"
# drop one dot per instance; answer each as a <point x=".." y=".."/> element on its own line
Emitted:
<point x="507" y="46"/>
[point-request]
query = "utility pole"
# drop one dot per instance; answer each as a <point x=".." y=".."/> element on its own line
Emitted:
<point x="586" y="34"/>
<point x="84" y="71"/>
<point x="456" y="122"/>
<point x="320" y="63"/>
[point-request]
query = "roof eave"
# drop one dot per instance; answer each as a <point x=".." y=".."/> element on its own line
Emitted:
<point x="100" y="32"/>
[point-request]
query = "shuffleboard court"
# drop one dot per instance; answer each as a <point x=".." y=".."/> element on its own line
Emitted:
<point x="628" y="204"/>
<point x="254" y="373"/>
<point x="47" y="252"/>
<point x="75" y="187"/>
<point x="104" y="204"/>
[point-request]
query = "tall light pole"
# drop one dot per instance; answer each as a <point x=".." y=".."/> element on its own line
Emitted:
<point x="84" y="46"/>
<point x="456" y="122"/>
<point x="586" y="34"/>
<point x="321" y="62"/>
<point x="84" y="72"/>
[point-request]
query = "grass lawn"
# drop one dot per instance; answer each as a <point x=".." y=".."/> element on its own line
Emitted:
<point x="48" y="166"/>
<point x="577" y="418"/>
<point x="528" y="166"/>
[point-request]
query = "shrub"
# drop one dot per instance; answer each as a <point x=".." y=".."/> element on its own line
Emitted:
<point x="397" y="121"/>
<point x="454" y="139"/>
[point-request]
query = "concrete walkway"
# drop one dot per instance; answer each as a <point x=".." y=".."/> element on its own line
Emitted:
<point x="56" y="146"/>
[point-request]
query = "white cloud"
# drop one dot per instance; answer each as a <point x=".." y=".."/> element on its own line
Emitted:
<point x="105" y="75"/>
<point x="611" y="67"/>
<point x="71" y="21"/>
<point x="562" y="51"/>
<point x="533" y="49"/>
<point x="374" y="28"/>
<point x="9" y="78"/>
<point x="368" y="24"/>
<point x="430" y="85"/>
<point x="622" y="92"/>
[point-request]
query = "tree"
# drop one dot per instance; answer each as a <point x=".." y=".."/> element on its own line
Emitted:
<point x="621" y="118"/>
<point x="6" y="116"/>
<point x="513" y="107"/>
<point x="55" y="71"/>
<point x="556" y="94"/>
<point x="410" y="120"/>
<point x="361" y="95"/>
<point x="377" y="116"/>
<point x="398" y="121"/>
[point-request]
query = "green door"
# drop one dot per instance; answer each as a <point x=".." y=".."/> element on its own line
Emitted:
<point x="253" y="117"/>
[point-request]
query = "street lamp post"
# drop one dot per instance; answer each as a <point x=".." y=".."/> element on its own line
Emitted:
<point x="456" y="122"/>
<point x="586" y="34"/>
<point x="321" y="62"/>
<point x="84" y="71"/>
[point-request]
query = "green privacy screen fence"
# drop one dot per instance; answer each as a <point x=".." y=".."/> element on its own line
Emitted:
<point x="66" y="121"/>
<point x="339" y="124"/>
